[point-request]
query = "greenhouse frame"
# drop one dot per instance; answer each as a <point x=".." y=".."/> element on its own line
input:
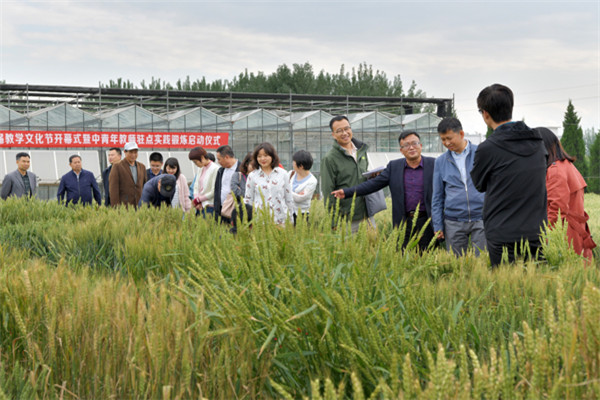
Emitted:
<point x="290" y="122"/>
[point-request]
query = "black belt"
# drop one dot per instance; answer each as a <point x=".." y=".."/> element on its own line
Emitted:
<point x="421" y="214"/>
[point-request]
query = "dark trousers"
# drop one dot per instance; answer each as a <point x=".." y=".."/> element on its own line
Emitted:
<point x="240" y="210"/>
<point x="305" y="215"/>
<point x="514" y="250"/>
<point x="419" y="223"/>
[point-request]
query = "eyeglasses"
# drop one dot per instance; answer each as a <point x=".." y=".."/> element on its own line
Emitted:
<point x="346" y="129"/>
<point x="409" y="145"/>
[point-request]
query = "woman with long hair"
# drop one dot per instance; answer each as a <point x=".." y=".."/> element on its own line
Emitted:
<point x="268" y="185"/>
<point x="181" y="199"/>
<point x="565" y="187"/>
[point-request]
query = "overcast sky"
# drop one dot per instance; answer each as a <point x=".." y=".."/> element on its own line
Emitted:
<point x="547" y="51"/>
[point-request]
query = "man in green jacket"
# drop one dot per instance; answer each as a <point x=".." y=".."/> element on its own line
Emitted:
<point x="343" y="167"/>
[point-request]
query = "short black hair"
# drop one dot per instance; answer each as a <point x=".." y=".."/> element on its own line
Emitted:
<point x="336" y="119"/>
<point x="449" y="124"/>
<point x="173" y="163"/>
<point x="156" y="156"/>
<point x="225" y="151"/>
<point x="211" y="156"/>
<point x="405" y="134"/>
<point x="270" y="150"/>
<point x="303" y="159"/>
<point x="73" y="157"/>
<point x="22" y="154"/>
<point x="498" y="101"/>
<point x="117" y="149"/>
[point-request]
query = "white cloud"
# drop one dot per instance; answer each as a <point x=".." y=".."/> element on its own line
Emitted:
<point x="447" y="48"/>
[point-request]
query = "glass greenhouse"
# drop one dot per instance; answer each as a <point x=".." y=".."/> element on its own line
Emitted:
<point x="287" y="122"/>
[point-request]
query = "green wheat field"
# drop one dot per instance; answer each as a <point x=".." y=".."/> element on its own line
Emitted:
<point x="98" y="303"/>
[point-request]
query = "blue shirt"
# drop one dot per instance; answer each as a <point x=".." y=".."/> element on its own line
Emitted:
<point x="296" y="182"/>
<point x="460" y="160"/>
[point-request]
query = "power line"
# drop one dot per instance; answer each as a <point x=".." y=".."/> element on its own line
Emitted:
<point x="544" y="102"/>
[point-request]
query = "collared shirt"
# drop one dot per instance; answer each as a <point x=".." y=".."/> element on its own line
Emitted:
<point x="270" y="191"/>
<point x="414" y="189"/>
<point x="27" y="184"/>
<point x="133" y="169"/>
<point x="352" y="152"/>
<point x="150" y="174"/>
<point x="226" y="181"/>
<point x="460" y="160"/>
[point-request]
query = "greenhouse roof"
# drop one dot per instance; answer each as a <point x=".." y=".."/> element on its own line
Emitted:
<point x="97" y="99"/>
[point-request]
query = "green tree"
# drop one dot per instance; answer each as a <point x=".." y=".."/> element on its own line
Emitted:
<point x="299" y="79"/>
<point x="593" y="180"/>
<point x="589" y="135"/>
<point x="572" y="138"/>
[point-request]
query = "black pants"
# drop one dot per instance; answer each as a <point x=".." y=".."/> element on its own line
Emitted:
<point x="495" y="250"/>
<point x="243" y="209"/>
<point x="296" y="217"/>
<point x="419" y="223"/>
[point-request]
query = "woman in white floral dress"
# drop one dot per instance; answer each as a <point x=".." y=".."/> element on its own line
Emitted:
<point x="268" y="185"/>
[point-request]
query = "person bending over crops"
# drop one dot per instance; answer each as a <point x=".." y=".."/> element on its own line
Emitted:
<point x="565" y="187"/>
<point x="268" y="185"/>
<point x="158" y="191"/>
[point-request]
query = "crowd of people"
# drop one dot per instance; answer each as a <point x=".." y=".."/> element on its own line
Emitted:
<point x="493" y="196"/>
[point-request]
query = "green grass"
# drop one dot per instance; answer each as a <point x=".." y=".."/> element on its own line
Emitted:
<point x="100" y="303"/>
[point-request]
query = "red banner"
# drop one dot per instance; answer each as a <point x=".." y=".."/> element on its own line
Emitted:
<point x="169" y="140"/>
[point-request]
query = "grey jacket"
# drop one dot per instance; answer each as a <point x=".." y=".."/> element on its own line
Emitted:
<point x="13" y="185"/>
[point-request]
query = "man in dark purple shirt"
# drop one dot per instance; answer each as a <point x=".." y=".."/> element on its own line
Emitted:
<point x="414" y="193"/>
<point x="410" y="180"/>
<point x="418" y="188"/>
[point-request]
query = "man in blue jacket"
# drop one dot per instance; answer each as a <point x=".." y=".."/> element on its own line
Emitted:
<point x="410" y="181"/>
<point x="78" y="184"/>
<point x="457" y="206"/>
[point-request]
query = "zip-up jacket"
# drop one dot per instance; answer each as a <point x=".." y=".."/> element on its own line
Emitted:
<point x="339" y="170"/>
<point x="79" y="190"/>
<point x="510" y="167"/>
<point x="453" y="200"/>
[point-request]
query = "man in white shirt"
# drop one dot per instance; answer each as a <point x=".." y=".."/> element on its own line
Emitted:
<point x="229" y="166"/>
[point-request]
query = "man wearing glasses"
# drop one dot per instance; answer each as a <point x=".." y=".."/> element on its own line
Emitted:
<point x="343" y="166"/>
<point x="411" y="186"/>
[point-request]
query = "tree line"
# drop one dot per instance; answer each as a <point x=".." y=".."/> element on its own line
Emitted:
<point x="297" y="79"/>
